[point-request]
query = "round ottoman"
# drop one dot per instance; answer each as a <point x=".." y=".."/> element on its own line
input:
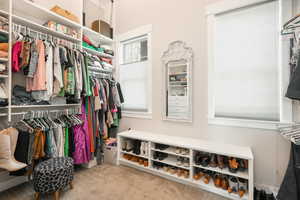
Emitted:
<point x="53" y="175"/>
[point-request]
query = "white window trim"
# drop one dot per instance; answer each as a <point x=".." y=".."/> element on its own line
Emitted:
<point x="144" y="30"/>
<point x="283" y="66"/>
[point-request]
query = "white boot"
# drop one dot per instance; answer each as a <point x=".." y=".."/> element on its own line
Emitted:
<point x="142" y="148"/>
<point x="146" y="149"/>
<point x="14" y="134"/>
<point x="7" y="160"/>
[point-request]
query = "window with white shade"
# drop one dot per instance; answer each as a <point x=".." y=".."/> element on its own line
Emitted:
<point x="245" y="57"/>
<point x="135" y="71"/>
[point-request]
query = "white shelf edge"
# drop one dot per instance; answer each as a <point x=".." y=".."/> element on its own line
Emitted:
<point x="3" y="76"/>
<point x="243" y="175"/>
<point x="45" y="106"/>
<point x="18" y="19"/>
<point x="3" y="59"/>
<point x="4" y="13"/>
<point x="133" y="154"/>
<point x="170" y="163"/>
<point x="171" y="153"/>
<point x="97" y="52"/>
<point x="4" y="32"/>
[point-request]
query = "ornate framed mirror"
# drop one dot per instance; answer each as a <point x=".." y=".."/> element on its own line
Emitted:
<point x="177" y="82"/>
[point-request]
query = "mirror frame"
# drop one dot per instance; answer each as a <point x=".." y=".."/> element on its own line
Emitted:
<point x="178" y="52"/>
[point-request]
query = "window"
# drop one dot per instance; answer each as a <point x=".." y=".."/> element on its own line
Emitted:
<point x="244" y="64"/>
<point x="135" y="71"/>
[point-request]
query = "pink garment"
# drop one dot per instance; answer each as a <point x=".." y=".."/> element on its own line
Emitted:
<point x="16" y="56"/>
<point x="38" y="82"/>
<point x="82" y="141"/>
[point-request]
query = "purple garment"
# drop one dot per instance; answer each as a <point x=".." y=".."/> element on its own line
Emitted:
<point x="82" y="141"/>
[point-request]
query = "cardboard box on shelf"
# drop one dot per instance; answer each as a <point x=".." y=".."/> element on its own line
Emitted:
<point x="58" y="10"/>
<point x="103" y="28"/>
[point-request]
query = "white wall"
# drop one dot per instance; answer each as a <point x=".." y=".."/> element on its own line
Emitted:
<point x="185" y="20"/>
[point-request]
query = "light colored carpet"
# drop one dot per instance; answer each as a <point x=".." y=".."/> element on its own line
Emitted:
<point x="108" y="182"/>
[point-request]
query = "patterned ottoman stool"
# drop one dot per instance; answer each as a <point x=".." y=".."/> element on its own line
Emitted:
<point x="53" y="175"/>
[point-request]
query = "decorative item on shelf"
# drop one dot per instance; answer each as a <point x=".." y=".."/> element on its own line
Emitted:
<point x="62" y="29"/>
<point x="58" y="10"/>
<point x="103" y="28"/>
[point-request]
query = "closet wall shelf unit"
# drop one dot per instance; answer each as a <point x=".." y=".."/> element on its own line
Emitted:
<point x="193" y="146"/>
<point x="30" y="8"/>
<point x="41" y="28"/>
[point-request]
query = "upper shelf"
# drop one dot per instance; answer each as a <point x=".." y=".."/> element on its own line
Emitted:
<point x="43" y="14"/>
<point x="95" y="36"/>
<point x="3" y="13"/>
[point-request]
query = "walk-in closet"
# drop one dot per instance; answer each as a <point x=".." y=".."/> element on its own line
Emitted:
<point x="149" y="99"/>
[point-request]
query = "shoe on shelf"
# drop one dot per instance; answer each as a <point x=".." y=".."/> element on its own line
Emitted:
<point x="173" y="170"/>
<point x="180" y="172"/>
<point x="217" y="180"/>
<point x="179" y="161"/>
<point x="243" y="165"/>
<point x="224" y="182"/>
<point x="146" y="149"/>
<point x="137" y="147"/>
<point x="124" y="145"/>
<point x="213" y="160"/>
<point x="222" y="161"/>
<point x="146" y="163"/>
<point x="186" y="162"/>
<point x="233" y="185"/>
<point x="243" y="187"/>
<point x="155" y="155"/>
<point x="204" y="159"/>
<point x="233" y="165"/>
<point x="178" y="150"/>
<point x="162" y="156"/>
<point x="142" y="150"/>
<point x="186" y="174"/>
<point x="129" y="145"/>
<point x="207" y="177"/>
<point x="141" y="161"/>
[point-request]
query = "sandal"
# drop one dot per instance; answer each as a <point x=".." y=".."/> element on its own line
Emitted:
<point x="243" y="187"/>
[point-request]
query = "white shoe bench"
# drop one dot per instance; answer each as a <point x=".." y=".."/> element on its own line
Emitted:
<point x="194" y="145"/>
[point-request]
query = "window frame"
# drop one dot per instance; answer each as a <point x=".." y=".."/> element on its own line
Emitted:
<point x="285" y="104"/>
<point x="143" y="31"/>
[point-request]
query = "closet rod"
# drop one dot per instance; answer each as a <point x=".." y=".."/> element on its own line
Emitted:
<point x="18" y="27"/>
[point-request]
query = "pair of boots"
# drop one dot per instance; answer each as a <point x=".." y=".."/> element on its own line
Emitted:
<point x="8" y="143"/>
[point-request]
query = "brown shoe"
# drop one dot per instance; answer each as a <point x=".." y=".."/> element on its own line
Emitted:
<point x="224" y="183"/>
<point x="207" y="177"/>
<point x="217" y="180"/>
<point x="141" y="161"/>
<point x="213" y="160"/>
<point x="146" y="163"/>
<point x="233" y="165"/>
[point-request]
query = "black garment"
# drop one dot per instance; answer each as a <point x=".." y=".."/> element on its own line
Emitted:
<point x="290" y="187"/>
<point x="21" y="152"/>
<point x="293" y="91"/>
<point x="71" y="142"/>
<point x="120" y="93"/>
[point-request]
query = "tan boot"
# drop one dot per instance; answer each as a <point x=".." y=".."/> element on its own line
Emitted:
<point x="6" y="159"/>
<point x="13" y="144"/>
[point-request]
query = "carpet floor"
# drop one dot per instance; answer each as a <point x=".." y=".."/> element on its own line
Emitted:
<point x="108" y="182"/>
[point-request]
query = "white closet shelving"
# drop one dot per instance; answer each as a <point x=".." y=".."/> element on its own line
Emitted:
<point x="33" y="15"/>
<point x="193" y="146"/>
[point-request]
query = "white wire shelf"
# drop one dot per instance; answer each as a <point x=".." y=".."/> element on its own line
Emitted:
<point x="45" y="106"/>
<point x="3" y="60"/>
<point x="3" y="32"/>
<point x="27" y="7"/>
<point x="97" y="36"/>
<point x="226" y="171"/>
<point x="44" y="29"/>
<point x="3" y="13"/>
<point x="97" y="52"/>
<point x="171" y="151"/>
